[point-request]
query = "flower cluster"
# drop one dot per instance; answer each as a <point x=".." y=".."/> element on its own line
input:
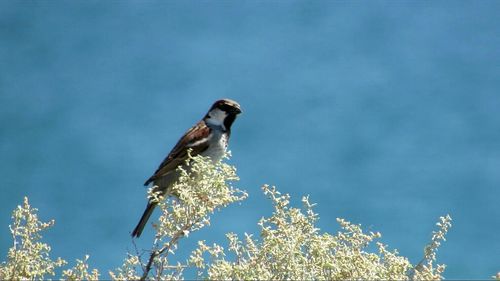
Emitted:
<point x="203" y="187"/>
<point x="28" y="258"/>
<point x="292" y="247"/>
<point x="427" y="263"/>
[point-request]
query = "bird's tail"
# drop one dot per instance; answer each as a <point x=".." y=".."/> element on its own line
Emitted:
<point x="144" y="219"/>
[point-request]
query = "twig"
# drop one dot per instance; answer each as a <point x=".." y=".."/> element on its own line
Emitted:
<point x="166" y="248"/>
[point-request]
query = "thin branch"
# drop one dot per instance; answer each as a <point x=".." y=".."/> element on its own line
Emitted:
<point x="166" y="248"/>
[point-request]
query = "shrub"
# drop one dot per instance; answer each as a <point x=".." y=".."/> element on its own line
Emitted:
<point x="289" y="245"/>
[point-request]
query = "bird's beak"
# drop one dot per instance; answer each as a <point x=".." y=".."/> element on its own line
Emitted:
<point x="237" y="110"/>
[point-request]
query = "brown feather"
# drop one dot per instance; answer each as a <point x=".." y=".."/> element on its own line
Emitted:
<point x="178" y="155"/>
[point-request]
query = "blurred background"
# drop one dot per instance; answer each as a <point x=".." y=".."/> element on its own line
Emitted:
<point x="387" y="113"/>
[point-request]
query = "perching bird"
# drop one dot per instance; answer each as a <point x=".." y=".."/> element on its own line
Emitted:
<point x="209" y="137"/>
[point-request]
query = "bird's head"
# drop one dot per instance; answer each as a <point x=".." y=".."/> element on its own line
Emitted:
<point x="223" y="113"/>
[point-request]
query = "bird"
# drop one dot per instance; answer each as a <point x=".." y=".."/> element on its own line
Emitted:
<point x="209" y="137"/>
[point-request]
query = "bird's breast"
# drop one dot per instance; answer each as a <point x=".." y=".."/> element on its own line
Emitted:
<point x="217" y="146"/>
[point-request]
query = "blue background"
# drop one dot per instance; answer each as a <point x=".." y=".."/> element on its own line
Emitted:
<point x="386" y="113"/>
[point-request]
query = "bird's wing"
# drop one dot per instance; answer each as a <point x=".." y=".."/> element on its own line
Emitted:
<point x="195" y="138"/>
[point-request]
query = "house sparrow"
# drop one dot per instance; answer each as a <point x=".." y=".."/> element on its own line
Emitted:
<point x="209" y="137"/>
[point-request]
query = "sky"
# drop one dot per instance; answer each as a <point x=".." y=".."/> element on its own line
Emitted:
<point x="386" y="113"/>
